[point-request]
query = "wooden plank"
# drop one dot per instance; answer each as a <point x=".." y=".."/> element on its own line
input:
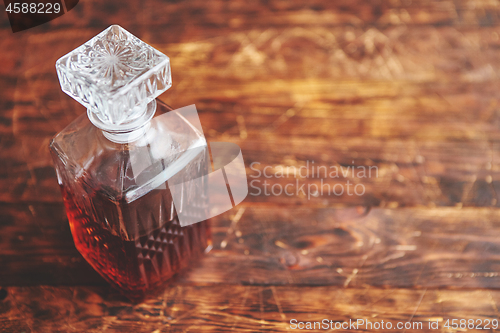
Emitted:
<point x="419" y="247"/>
<point x="240" y="308"/>
<point x="405" y="248"/>
<point x="36" y="244"/>
<point x="431" y="128"/>
<point x="404" y="172"/>
<point x="240" y="15"/>
<point x="401" y="90"/>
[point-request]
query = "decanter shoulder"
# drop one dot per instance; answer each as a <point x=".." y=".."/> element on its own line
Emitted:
<point x="82" y="153"/>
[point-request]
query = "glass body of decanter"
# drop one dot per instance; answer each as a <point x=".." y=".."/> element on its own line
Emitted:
<point x="115" y="163"/>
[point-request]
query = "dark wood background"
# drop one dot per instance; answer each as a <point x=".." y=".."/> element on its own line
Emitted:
<point x="409" y="86"/>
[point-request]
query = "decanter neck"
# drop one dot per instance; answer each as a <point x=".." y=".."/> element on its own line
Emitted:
<point x="129" y="131"/>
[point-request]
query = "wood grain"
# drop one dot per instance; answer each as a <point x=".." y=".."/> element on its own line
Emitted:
<point x="408" y="87"/>
<point x="244" y="308"/>
<point x="411" y="248"/>
<point x="420" y="123"/>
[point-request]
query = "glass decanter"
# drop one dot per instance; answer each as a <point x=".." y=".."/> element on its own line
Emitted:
<point x="114" y="164"/>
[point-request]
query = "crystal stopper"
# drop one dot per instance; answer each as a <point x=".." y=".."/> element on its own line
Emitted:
<point x="115" y="75"/>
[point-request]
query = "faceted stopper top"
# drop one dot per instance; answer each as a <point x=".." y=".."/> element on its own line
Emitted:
<point x="115" y="75"/>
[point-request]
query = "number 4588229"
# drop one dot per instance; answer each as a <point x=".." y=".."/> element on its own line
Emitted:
<point x="33" y="8"/>
<point x="479" y="324"/>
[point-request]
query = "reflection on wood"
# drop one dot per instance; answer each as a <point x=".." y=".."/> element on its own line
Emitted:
<point x="217" y="308"/>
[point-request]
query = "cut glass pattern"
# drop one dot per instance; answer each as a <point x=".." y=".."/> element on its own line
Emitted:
<point x="115" y="75"/>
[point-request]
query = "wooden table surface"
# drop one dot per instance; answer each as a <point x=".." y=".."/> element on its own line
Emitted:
<point x="410" y="87"/>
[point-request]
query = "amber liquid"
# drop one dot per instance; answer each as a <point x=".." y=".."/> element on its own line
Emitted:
<point x="143" y="266"/>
